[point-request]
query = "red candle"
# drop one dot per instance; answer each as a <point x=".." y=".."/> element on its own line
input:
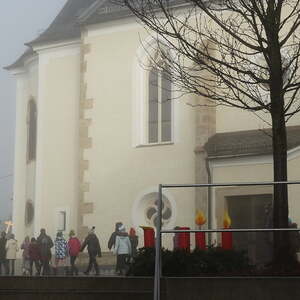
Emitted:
<point x="184" y="239"/>
<point x="227" y="240"/>
<point x="200" y="240"/>
<point x="227" y="236"/>
<point x="149" y="237"/>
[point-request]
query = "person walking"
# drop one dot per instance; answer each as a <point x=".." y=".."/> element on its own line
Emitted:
<point x="61" y="253"/>
<point x="134" y="240"/>
<point x="45" y="244"/>
<point x="3" y="260"/>
<point x="11" y="253"/>
<point x="34" y="256"/>
<point x="94" y="250"/>
<point x="25" y="256"/>
<point x="74" y="249"/>
<point x="112" y="239"/>
<point x="122" y="250"/>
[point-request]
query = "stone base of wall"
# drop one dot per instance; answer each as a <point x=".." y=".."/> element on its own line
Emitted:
<point x="75" y="288"/>
<point x="141" y="288"/>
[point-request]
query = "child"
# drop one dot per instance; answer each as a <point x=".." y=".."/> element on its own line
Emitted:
<point x="25" y="256"/>
<point x="74" y="248"/>
<point x="61" y="253"/>
<point x="34" y="256"/>
<point x="134" y="240"/>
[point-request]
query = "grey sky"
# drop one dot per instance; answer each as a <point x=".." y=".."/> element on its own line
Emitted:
<point x="20" y="22"/>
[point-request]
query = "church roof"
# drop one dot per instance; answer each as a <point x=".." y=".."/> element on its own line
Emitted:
<point x="247" y="143"/>
<point x="65" y="26"/>
<point x="19" y="63"/>
<point x="84" y="12"/>
<point x="75" y="13"/>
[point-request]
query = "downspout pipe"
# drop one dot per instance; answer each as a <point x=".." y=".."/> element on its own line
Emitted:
<point x="209" y="197"/>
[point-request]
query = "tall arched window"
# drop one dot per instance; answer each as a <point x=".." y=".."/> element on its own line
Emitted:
<point x="159" y="107"/>
<point x="31" y="130"/>
<point x="153" y="108"/>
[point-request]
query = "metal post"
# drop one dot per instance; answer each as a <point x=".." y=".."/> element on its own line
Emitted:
<point x="157" y="274"/>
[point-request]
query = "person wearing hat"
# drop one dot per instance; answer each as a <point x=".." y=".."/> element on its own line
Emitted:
<point x="74" y="248"/>
<point x="112" y="239"/>
<point x="122" y="250"/>
<point x="94" y="250"/>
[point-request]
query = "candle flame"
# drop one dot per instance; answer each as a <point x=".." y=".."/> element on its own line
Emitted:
<point x="146" y="227"/>
<point x="227" y="220"/>
<point x="200" y="218"/>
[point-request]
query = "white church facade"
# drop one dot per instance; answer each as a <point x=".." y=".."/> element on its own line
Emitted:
<point x="91" y="147"/>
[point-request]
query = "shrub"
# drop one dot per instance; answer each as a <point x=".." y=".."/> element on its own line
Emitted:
<point x="213" y="261"/>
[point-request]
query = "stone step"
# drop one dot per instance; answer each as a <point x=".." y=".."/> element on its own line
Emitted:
<point x="73" y="288"/>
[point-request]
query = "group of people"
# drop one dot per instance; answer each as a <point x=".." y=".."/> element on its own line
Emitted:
<point x="38" y="252"/>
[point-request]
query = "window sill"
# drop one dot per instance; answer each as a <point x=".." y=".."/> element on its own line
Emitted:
<point x="154" y="144"/>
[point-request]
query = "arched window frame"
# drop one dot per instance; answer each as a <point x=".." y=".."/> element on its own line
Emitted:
<point x="142" y="71"/>
<point x="29" y="212"/>
<point x="31" y="130"/>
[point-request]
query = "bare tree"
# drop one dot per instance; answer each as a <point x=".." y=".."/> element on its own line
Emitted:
<point x="238" y="53"/>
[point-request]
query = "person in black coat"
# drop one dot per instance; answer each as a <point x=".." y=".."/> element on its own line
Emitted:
<point x="112" y="239"/>
<point x="3" y="260"/>
<point x="94" y="250"/>
<point x="45" y="244"/>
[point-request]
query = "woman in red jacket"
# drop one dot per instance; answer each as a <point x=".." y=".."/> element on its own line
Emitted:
<point x="74" y="249"/>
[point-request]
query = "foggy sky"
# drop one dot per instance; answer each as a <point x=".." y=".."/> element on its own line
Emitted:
<point x="20" y="22"/>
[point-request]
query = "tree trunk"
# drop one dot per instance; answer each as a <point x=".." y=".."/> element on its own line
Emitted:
<point x="282" y="254"/>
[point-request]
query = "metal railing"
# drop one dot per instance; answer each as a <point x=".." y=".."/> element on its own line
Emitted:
<point x="159" y="231"/>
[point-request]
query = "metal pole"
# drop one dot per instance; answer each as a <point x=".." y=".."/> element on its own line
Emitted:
<point x="157" y="274"/>
<point x="233" y="230"/>
<point x="229" y="184"/>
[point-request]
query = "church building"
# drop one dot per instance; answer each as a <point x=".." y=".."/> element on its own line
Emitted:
<point x="95" y="137"/>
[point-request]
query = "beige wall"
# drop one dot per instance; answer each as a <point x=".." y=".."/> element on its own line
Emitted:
<point x="244" y="120"/>
<point x="57" y="148"/>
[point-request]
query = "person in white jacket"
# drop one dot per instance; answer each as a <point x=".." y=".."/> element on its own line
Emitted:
<point x="123" y="250"/>
<point x="11" y="253"/>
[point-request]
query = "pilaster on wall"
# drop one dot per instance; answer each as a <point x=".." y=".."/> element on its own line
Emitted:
<point x="205" y="128"/>
<point x="85" y="141"/>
